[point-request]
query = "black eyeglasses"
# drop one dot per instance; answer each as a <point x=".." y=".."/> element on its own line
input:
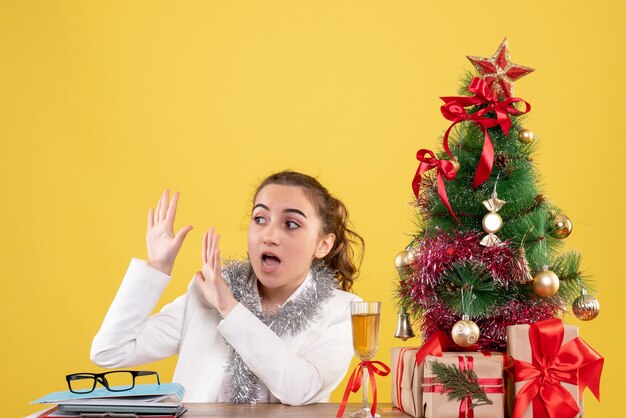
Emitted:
<point x="116" y="381"/>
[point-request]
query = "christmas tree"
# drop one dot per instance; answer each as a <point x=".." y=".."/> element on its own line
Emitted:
<point x="487" y="252"/>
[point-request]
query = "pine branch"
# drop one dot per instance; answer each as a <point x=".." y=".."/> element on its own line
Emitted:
<point x="567" y="267"/>
<point x="469" y="289"/>
<point x="460" y="383"/>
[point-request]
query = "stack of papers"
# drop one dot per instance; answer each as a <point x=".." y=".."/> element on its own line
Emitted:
<point x="163" y="400"/>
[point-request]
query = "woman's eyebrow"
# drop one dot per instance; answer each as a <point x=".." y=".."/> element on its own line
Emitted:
<point x="288" y="210"/>
<point x="298" y="211"/>
<point x="260" y="205"/>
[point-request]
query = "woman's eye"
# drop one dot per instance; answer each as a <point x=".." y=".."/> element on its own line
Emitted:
<point x="292" y="225"/>
<point x="259" y="220"/>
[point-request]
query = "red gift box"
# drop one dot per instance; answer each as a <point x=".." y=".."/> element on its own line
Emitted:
<point x="406" y="390"/>
<point x="489" y="370"/>
<point x="550" y="368"/>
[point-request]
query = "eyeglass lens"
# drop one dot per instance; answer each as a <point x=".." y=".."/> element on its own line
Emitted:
<point x="119" y="381"/>
<point x="82" y="383"/>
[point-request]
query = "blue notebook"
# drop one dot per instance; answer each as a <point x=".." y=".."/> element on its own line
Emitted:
<point x="170" y="393"/>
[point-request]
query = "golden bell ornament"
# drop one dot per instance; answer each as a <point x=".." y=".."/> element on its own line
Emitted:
<point x="586" y="307"/>
<point x="404" y="331"/>
<point x="456" y="164"/>
<point x="465" y="332"/>
<point x="526" y="136"/>
<point x="561" y="226"/>
<point x="545" y="283"/>
<point x="523" y="263"/>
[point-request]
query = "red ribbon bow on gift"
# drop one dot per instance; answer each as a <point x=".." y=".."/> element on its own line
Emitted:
<point x="445" y="168"/>
<point x="454" y="110"/>
<point x="552" y="363"/>
<point x="437" y="344"/>
<point x="354" y="384"/>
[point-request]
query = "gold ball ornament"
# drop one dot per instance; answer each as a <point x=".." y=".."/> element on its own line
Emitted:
<point x="586" y="307"/>
<point x="465" y="332"/>
<point x="492" y="222"/>
<point x="545" y="283"/>
<point x="561" y="226"/>
<point x="526" y="136"/>
<point x="404" y="260"/>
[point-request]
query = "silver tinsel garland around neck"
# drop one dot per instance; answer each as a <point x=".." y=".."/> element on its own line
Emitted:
<point x="292" y="318"/>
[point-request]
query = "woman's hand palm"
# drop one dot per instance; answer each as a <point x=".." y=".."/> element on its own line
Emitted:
<point x="163" y="245"/>
<point x="210" y="279"/>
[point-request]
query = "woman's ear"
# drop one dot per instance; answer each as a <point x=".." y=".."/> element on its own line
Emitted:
<point x="325" y="245"/>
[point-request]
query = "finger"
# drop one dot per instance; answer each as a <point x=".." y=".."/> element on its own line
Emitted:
<point x="217" y="265"/>
<point x="209" y="244"/>
<point x="150" y="218"/>
<point x="164" y="203"/>
<point x="215" y="250"/>
<point x="204" y="247"/>
<point x="158" y="210"/>
<point x="216" y="243"/>
<point x="171" y="211"/>
<point x="180" y="235"/>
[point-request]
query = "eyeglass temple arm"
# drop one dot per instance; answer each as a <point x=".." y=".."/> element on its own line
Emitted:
<point x="146" y="372"/>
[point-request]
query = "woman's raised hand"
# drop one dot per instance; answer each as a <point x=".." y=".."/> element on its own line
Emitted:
<point x="163" y="245"/>
<point x="210" y="279"/>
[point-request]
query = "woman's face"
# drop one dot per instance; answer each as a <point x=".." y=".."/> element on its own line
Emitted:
<point x="284" y="236"/>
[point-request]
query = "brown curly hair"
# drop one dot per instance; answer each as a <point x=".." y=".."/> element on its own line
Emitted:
<point x="334" y="216"/>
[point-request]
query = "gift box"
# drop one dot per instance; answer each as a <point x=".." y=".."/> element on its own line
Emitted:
<point x="406" y="390"/>
<point x="549" y="368"/>
<point x="488" y="368"/>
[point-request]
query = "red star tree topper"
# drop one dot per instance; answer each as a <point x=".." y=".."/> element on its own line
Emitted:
<point x="499" y="72"/>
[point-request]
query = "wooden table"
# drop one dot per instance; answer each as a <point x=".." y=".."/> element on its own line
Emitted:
<point x="275" y="410"/>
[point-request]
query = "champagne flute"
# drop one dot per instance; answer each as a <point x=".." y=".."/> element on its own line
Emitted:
<point x="365" y="324"/>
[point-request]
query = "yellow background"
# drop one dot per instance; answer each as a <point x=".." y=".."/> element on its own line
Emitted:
<point x="105" y="103"/>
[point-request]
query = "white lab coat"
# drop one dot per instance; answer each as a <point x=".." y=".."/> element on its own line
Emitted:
<point x="296" y="370"/>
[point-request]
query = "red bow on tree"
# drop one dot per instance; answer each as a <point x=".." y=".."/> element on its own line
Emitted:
<point x="445" y="168"/>
<point x="454" y="110"/>
<point x="552" y="363"/>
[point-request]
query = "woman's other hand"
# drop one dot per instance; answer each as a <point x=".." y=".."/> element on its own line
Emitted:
<point x="210" y="279"/>
<point x="163" y="245"/>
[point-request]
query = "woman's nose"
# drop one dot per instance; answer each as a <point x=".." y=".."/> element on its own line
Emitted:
<point x="270" y="235"/>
